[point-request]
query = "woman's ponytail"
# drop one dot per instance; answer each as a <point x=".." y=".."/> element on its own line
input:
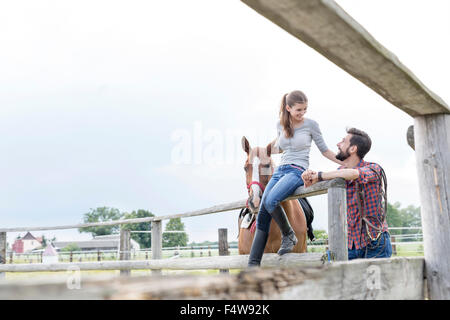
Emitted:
<point x="285" y="117"/>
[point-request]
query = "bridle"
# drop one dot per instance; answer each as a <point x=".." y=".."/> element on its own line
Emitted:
<point x="261" y="186"/>
<point x="257" y="183"/>
<point x="248" y="189"/>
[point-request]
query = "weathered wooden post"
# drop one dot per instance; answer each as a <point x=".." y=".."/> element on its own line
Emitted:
<point x="223" y="246"/>
<point x="337" y="221"/>
<point x="432" y="145"/>
<point x="124" y="249"/>
<point x="156" y="242"/>
<point x="2" y="251"/>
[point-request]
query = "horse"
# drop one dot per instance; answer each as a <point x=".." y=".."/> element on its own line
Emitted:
<point x="259" y="168"/>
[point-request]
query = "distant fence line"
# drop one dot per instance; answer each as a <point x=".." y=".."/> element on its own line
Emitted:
<point x="179" y="251"/>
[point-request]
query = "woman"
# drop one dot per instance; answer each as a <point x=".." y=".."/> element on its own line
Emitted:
<point x="295" y="133"/>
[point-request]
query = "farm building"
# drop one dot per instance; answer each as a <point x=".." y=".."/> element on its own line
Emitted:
<point x="98" y="243"/>
<point x="26" y="243"/>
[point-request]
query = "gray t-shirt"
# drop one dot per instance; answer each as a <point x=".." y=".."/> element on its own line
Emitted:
<point x="296" y="149"/>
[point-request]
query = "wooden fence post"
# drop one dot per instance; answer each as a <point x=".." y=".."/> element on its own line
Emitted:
<point x="2" y="251"/>
<point x="337" y="222"/>
<point x="223" y="246"/>
<point x="432" y="146"/>
<point x="124" y="249"/>
<point x="156" y="242"/>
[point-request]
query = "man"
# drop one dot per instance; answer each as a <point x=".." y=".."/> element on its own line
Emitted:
<point x="368" y="235"/>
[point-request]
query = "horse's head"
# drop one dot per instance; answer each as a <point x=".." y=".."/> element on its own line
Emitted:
<point x="258" y="170"/>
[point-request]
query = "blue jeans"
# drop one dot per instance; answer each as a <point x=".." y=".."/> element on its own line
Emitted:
<point x="283" y="183"/>
<point x="380" y="248"/>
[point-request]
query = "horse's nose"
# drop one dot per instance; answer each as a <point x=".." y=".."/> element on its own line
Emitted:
<point x="254" y="203"/>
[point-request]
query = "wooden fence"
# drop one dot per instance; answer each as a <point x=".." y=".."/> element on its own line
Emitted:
<point x="337" y="227"/>
<point x="292" y="276"/>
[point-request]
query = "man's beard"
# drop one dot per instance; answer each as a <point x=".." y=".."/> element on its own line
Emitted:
<point x="343" y="155"/>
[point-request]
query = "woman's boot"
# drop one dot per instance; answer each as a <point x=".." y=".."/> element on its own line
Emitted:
<point x="257" y="250"/>
<point x="289" y="240"/>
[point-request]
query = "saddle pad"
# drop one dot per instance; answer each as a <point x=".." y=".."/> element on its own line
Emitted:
<point x="247" y="220"/>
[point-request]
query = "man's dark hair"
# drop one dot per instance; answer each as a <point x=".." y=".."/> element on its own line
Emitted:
<point x="361" y="140"/>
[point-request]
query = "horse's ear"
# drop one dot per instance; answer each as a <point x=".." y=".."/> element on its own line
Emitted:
<point x="245" y="144"/>
<point x="269" y="149"/>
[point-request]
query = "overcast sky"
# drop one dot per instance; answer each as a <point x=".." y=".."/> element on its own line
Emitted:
<point x="142" y="104"/>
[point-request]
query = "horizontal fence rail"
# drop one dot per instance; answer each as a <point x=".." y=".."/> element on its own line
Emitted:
<point x="360" y="279"/>
<point x="269" y="260"/>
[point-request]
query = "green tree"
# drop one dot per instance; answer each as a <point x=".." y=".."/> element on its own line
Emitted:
<point x="393" y="217"/>
<point x="44" y="241"/>
<point x="101" y="214"/>
<point x="175" y="239"/>
<point x="411" y="218"/>
<point x="144" y="239"/>
<point x="71" y="247"/>
<point x="403" y="217"/>
<point x="320" y="234"/>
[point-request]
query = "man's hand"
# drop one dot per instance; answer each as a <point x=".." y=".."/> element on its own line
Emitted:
<point x="309" y="177"/>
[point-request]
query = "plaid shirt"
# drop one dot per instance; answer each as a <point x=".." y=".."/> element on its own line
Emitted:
<point x="370" y="184"/>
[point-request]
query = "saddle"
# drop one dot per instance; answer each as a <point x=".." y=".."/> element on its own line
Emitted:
<point x="309" y="215"/>
<point x="249" y="219"/>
